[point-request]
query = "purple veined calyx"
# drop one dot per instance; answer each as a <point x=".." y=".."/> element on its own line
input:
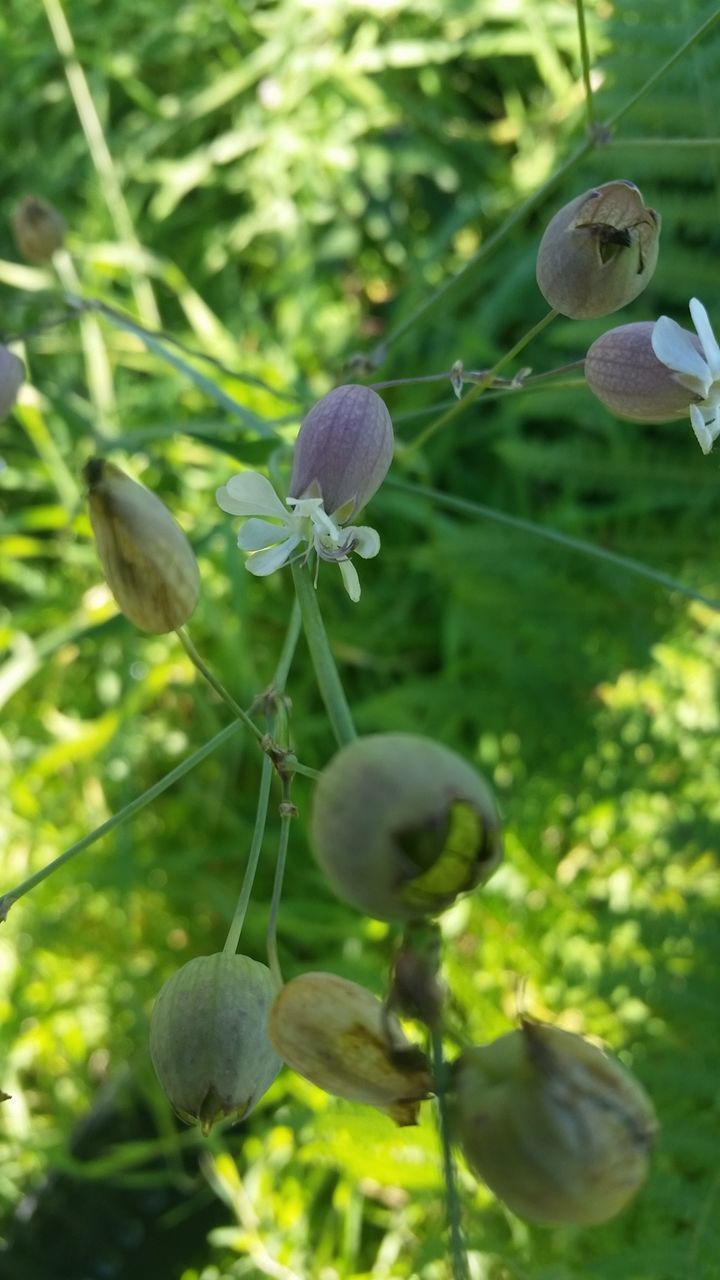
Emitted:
<point x="342" y="454"/>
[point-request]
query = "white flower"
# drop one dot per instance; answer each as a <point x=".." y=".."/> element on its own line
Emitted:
<point x="696" y="365"/>
<point x="270" y="542"/>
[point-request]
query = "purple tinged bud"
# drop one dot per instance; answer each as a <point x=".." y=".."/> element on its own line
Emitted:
<point x="12" y="373"/>
<point x="622" y="370"/>
<point x="343" y="450"/>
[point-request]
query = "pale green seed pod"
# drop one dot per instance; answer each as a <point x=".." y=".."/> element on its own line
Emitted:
<point x="38" y="228"/>
<point x="622" y="370"/>
<point x="208" y="1038"/>
<point x="339" y="1036"/>
<point x="598" y="252"/>
<point x="559" y="1131"/>
<point x="148" y="562"/>
<point x="402" y="826"/>
<point x="12" y="372"/>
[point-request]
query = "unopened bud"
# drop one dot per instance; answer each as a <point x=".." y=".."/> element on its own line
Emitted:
<point x="38" y="228"/>
<point x="208" y="1038"/>
<point x="12" y="372"/>
<point x="598" y="252"/>
<point x="343" y="451"/>
<point x="339" y="1036"/>
<point x="622" y="370"/>
<point x="148" y="562"/>
<point x="402" y="826"/>
<point x="558" y="1130"/>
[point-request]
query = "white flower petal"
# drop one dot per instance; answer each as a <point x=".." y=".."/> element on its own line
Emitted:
<point x="261" y="563"/>
<point x="674" y="348"/>
<point x="255" y="535"/>
<point x="366" y="541"/>
<point x="350" y="579"/>
<point x="705" y="334"/>
<point x="251" y="494"/>
<point x="704" y="436"/>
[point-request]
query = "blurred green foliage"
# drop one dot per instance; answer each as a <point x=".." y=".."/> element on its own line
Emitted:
<point x="280" y="185"/>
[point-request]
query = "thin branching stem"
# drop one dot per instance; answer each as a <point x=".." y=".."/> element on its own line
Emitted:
<point x="477" y="390"/>
<point x="585" y="59"/>
<point x="261" y="811"/>
<point x="287" y="813"/>
<point x="465" y="507"/>
<point x="216" y="684"/>
<point x="117" y="819"/>
<point x="458" y="1253"/>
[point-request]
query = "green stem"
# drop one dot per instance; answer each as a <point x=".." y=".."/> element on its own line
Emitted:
<point x="233" y="938"/>
<point x="664" y="68"/>
<point x="326" y="673"/>
<point x="480" y="386"/>
<point x="585" y="58"/>
<point x="215" y="684"/>
<point x="463" y="280"/>
<point x="287" y="814"/>
<point x="466" y="507"/>
<point x="458" y="1253"/>
<point x="282" y="669"/>
<point x="128" y="811"/>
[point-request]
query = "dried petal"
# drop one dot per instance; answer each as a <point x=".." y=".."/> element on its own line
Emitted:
<point x="338" y="1035"/>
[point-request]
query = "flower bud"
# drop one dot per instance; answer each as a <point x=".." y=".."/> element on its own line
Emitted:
<point x="38" y="229"/>
<point x="208" y="1038"/>
<point x="339" y="1036"/>
<point x="555" y="1128"/>
<point x="401" y="826"/>
<point x="148" y="562"/>
<point x="598" y="252"/>
<point x="622" y="370"/>
<point x="12" y="372"/>
<point x="343" y="451"/>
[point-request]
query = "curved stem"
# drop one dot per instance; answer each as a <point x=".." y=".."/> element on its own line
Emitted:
<point x="329" y="682"/>
<point x="215" y="684"/>
<point x="458" y="1254"/>
<point x="482" y="385"/>
<point x="233" y="937"/>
